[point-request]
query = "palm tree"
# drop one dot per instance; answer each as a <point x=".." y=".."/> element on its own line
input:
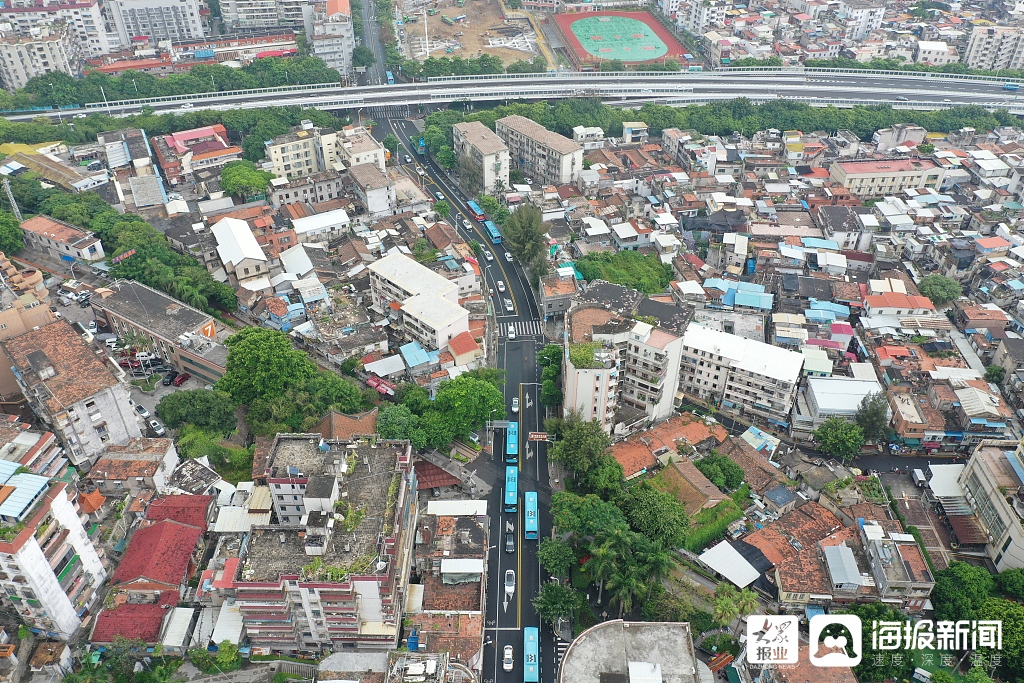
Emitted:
<point x="726" y="606"/>
<point x="658" y="564"/>
<point x="600" y="566"/>
<point x="747" y="602"/>
<point x="624" y="587"/>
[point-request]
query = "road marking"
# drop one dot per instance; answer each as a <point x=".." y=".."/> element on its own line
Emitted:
<point x="502" y="628"/>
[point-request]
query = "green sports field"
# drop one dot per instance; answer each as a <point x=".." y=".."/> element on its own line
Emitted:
<point x="616" y="37"/>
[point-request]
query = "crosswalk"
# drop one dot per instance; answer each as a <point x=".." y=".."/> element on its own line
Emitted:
<point x="560" y="647"/>
<point x="389" y="112"/>
<point x="528" y="328"/>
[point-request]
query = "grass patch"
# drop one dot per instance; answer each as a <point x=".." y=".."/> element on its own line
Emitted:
<point x="231" y="463"/>
<point x="628" y="268"/>
<point x="282" y="658"/>
<point x="148" y="384"/>
<point x="720" y="642"/>
<point x="742" y="496"/>
<point x="585" y="620"/>
<point x="579" y="579"/>
<point x="460" y="457"/>
<point x="708" y="526"/>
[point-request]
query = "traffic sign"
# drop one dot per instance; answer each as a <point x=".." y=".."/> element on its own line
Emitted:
<point x="538" y="436"/>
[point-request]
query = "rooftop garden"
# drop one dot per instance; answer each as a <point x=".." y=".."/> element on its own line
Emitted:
<point x="582" y="355"/>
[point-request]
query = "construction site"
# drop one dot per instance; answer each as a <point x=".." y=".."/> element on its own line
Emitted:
<point x="466" y="29"/>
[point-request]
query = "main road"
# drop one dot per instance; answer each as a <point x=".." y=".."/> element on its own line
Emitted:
<point x="505" y="617"/>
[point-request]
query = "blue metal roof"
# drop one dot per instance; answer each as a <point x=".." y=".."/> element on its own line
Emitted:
<point x="27" y="489"/>
<point x="819" y="315"/>
<point x="818" y="243"/>
<point x="754" y="300"/>
<point x="7" y="470"/>
<point x="413" y="354"/>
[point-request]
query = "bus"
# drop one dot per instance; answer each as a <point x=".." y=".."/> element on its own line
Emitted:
<point x="532" y="520"/>
<point x="531" y="654"/>
<point x="475" y="211"/>
<point x="391" y="77"/>
<point x="511" y="489"/>
<point x="512" y="443"/>
<point x="492" y="232"/>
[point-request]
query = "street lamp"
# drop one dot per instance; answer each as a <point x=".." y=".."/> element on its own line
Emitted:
<point x="53" y="91"/>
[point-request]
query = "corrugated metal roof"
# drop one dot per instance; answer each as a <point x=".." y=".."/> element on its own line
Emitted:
<point x="177" y="627"/>
<point x="842" y="565"/>
<point x="27" y="488"/>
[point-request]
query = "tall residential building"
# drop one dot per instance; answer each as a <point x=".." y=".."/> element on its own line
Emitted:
<point x="266" y="13"/>
<point x="993" y="485"/>
<point x="72" y="390"/>
<point x="741" y="373"/>
<point x="302" y="151"/>
<point x="46" y="49"/>
<point x="699" y="16"/>
<point x="861" y="17"/>
<point x="483" y="158"/>
<point x="156" y="20"/>
<point x="49" y="570"/>
<point x="995" y="47"/>
<point x="333" y="36"/>
<point x="552" y="159"/>
<point x="398" y="277"/>
<point x="333" y="572"/>
<point x="83" y="17"/>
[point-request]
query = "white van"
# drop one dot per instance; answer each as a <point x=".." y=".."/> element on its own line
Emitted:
<point x="144" y="355"/>
<point x="111" y="343"/>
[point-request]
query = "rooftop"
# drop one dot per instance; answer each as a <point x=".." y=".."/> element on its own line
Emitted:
<point x="335" y="425"/>
<point x="745" y="354"/>
<point x="148" y="308"/>
<point x="840" y="394"/>
<point x="539" y="133"/>
<point x="186" y="509"/>
<point x="481" y="137"/>
<point x="795" y="531"/>
<point x="160" y="553"/>
<point x="58" y="231"/>
<point x="57" y="363"/>
<point x="411" y="276"/>
<point x="369" y="177"/>
<point x="606" y="652"/>
<point x="886" y="166"/>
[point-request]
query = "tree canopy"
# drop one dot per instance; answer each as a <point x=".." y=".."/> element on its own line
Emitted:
<point x="11" y="237"/>
<point x="557" y="557"/>
<point x="840" y="439"/>
<point x="210" y="410"/>
<point x="721" y="471"/>
<point x="940" y="289"/>
<point x="995" y="373"/>
<point x="873" y="416"/>
<point x="584" y="516"/>
<point x="960" y="590"/>
<point x="658" y="515"/>
<point x="244" y="179"/>
<point x="442" y="208"/>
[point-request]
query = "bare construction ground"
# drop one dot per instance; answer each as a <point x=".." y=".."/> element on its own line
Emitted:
<point x="482" y="31"/>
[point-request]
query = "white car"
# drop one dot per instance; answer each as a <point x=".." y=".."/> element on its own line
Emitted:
<point x="507" y="662"/>
<point x="508" y="256"/>
<point x="500" y="285"/>
<point x="488" y="255"/>
<point x="158" y="428"/>
<point x="508" y="305"/>
<point x="187" y="105"/>
<point x="515" y="404"/>
<point x="440" y="196"/>
<point x="510" y="581"/>
<point x="419" y="170"/>
<point x="141" y="410"/>
<point x="81" y="116"/>
<point x="91" y="326"/>
<point x="511" y="334"/>
<point x="407" y="159"/>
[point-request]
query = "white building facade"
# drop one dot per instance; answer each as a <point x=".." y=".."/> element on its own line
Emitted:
<point x="47" y="48"/>
<point x="156" y="19"/>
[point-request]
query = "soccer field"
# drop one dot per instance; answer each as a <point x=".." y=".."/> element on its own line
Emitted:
<point x="633" y="37"/>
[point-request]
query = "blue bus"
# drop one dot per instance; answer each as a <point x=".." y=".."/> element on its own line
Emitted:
<point x="512" y="443"/>
<point x="492" y="232"/>
<point x="532" y="520"/>
<point x="391" y="77"/>
<point x="531" y="654"/>
<point x="475" y="211"/>
<point x="511" y="489"/>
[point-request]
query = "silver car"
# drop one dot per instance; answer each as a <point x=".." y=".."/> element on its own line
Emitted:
<point x="510" y="581"/>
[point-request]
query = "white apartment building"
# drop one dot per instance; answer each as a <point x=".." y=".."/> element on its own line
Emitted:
<point x="302" y="151"/>
<point x="375" y="190"/>
<point x="935" y="52"/>
<point x="333" y="37"/>
<point x="433" y="320"/>
<point x="356" y="146"/>
<point x="71" y="390"/>
<point x="698" y="16"/>
<point x="591" y="383"/>
<point x="650" y="375"/>
<point x="398" y="277"/>
<point x="828" y="397"/>
<point x="50" y="570"/>
<point x="861" y="16"/>
<point x="46" y="49"/>
<point x="483" y="158"/>
<point x="84" y="19"/>
<point x="242" y="259"/>
<point x="993" y="485"/>
<point x="318" y="187"/>
<point x="885" y="177"/>
<point x="550" y="158"/>
<point x="995" y="47"/>
<point x="250" y="13"/>
<point x="590" y="137"/>
<point x="156" y="19"/>
<point x="740" y="373"/>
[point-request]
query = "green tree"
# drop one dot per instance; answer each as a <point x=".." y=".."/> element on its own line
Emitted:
<point x="438" y="432"/>
<point x="655" y="514"/>
<point x="721" y="471"/>
<point x="210" y="410"/>
<point x="995" y="373"/>
<point x="262" y="362"/>
<point x="524" y="233"/>
<point x="413" y="396"/>
<point x="362" y="56"/>
<point x="442" y="208"/>
<point x="601" y="565"/>
<point x="1011" y="614"/>
<point x="943" y="677"/>
<point x="244" y="179"/>
<point x="658" y="565"/>
<point x="495" y="376"/>
<point x="445" y="158"/>
<point x="584" y="517"/>
<point x="925" y="148"/>
<point x="625" y="585"/>
<point x="396" y="421"/>
<point x="122" y="654"/>
<point x="550" y="356"/>
<point x="840" y="439"/>
<point x="550" y="394"/>
<point x="873" y="416"/>
<point x="11" y="236"/>
<point x="467" y="402"/>
<point x="557" y="557"/>
<point x="940" y="289"/>
<point x="391" y="143"/>
<point x="975" y="675"/>
<point x="960" y="590"/>
<point x="227" y="657"/>
<point x="582" y="445"/>
<point x="1011" y="583"/>
<point x="885" y="670"/>
<point x="557" y="600"/>
<point x="725" y="608"/>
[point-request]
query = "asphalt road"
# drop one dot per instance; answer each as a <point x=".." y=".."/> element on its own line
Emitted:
<point x="506" y="616"/>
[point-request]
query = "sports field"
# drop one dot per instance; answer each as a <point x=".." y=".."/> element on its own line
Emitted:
<point x="633" y="37"/>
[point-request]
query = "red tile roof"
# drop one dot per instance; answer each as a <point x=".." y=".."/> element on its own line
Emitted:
<point x="134" y="621"/>
<point x="186" y="509"/>
<point x="160" y="553"/>
<point x="91" y="502"/>
<point x="429" y="475"/>
<point x="463" y="343"/>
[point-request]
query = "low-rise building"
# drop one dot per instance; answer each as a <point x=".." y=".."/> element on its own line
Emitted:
<point x="483" y="159"/>
<point x="62" y="240"/>
<point x="199" y="149"/>
<point x="631" y="651"/>
<point x="433" y="320"/>
<point x="556" y="292"/>
<point x="307" y="189"/>
<point x="243" y="261"/>
<point x="828" y="397"/>
<point x="355" y="145"/>
<point x="72" y="390"/>
<point x="886" y="177"/>
<point x="142" y="464"/>
<point x="901" y="574"/>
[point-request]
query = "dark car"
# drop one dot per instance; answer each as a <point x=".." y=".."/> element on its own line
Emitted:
<point x="171" y="376"/>
<point x="510" y="543"/>
<point x="85" y="303"/>
<point x="181" y="379"/>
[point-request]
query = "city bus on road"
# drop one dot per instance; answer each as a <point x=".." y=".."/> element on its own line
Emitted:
<point x="492" y="232"/>
<point x="512" y="443"/>
<point x="511" y="489"/>
<point x="475" y="211"/>
<point x="390" y="77"/>
<point x="531" y="654"/>
<point x="531" y="530"/>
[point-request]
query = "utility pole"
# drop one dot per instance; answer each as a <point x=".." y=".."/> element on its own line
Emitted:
<point x="10" y="195"/>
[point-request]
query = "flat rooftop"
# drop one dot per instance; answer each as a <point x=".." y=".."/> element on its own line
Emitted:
<point x="605" y="652"/>
<point x="151" y="309"/>
<point x="278" y="549"/>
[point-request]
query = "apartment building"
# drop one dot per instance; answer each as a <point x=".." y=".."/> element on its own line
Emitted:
<point x="935" y="52"/>
<point x="741" y="374"/>
<point x="398" y="277"/>
<point x="376" y="190"/>
<point x="886" y="177"/>
<point x="993" y="485"/>
<point x="483" y="159"/>
<point x="198" y="149"/>
<point x="84" y="19"/>
<point x="49" y="570"/>
<point x="995" y="47"/>
<point x="650" y="373"/>
<point x="861" y="17"/>
<point x="333" y="37"/>
<point x="300" y="152"/>
<point x="72" y="390"/>
<point x="591" y="379"/>
<point x="828" y="397"/>
<point x="433" y="320"/>
<point x="333" y="573"/>
<point x="157" y="20"/>
<point x="550" y="158"/>
<point x="318" y="187"/>
<point x="698" y="16"/>
<point x="251" y="14"/>
<point x="355" y="145"/>
<point x="47" y="48"/>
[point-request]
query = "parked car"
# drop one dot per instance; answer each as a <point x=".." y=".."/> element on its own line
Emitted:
<point x="158" y="428"/>
<point x="507" y="661"/>
<point x="141" y="410"/>
<point x="92" y="326"/>
<point x="126" y="363"/>
<point x="169" y="379"/>
<point x="181" y="379"/>
<point x="85" y="303"/>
